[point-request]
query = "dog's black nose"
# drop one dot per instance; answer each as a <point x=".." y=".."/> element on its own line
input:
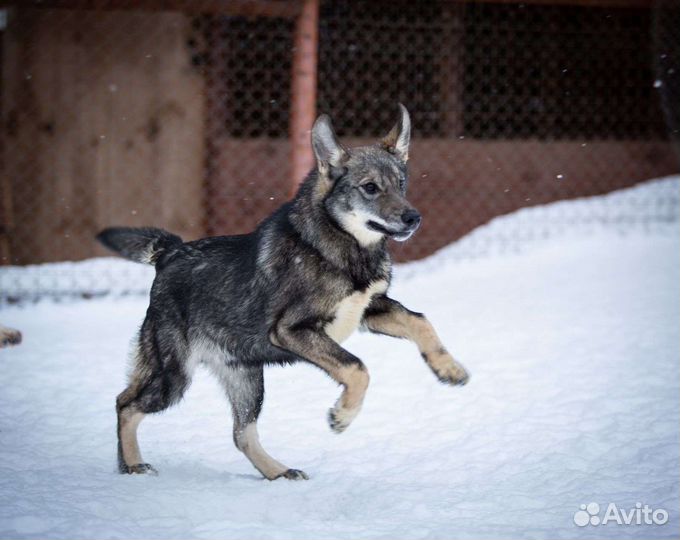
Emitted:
<point x="411" y="217"/>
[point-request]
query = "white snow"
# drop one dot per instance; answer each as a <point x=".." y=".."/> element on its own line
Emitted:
<point x="572" y="344"/>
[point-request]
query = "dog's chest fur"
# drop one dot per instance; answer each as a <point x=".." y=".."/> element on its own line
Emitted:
<point x="350" y="310"/>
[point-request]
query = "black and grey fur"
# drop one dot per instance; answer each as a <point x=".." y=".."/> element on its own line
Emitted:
<point x="292" y="290"/>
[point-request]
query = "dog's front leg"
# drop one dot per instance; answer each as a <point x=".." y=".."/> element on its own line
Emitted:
<point x="389" y="317"/>
<point x="314" y="345"/>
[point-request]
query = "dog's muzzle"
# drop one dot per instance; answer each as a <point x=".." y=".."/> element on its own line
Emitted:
<point x="410" y="221"/>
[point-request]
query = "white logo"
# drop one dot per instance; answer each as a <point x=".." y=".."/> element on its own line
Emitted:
<point x="640" y="515"/>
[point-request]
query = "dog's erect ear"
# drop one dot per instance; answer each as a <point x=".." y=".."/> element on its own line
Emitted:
<point x="396" y="142"/>
<point x="327" y="149"/>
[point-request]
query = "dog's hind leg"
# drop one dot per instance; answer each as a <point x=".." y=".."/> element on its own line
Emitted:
<point x="150" y="390"/>
<point x="244" y="386"/>
<point x="129" y="456"/>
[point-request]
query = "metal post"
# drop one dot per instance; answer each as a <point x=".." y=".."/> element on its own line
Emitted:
<point x="303" y="91"/>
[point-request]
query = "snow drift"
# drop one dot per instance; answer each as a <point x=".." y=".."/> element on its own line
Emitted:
<point x="572" y="343"/>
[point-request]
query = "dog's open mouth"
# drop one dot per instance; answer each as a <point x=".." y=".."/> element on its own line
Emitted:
<point x="399" y="236"/>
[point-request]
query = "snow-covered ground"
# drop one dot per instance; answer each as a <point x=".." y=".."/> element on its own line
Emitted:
<point x="572" y="344"/>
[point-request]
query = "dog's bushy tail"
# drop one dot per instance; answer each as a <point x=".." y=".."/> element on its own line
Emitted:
<point x="144" y="244"/>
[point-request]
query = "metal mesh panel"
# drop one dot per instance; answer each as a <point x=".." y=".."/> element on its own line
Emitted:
<point x="375" y="54"/>
<point x="178" y="114"/>
<point x="248" y="75"/>
<point x="513" y="104"/>
<point x="250" y="63"/>
<point x="559" y="72"/>
<point x="666" y="62"/>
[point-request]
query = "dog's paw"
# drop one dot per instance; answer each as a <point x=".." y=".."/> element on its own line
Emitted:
<point x="294" y="474"/>
<point x="339" y="418"/>
<point x="447" y="370"/>
<point x="9" y="337"/>
<point x="141" y="468"/>
<point x="455" y="376"/>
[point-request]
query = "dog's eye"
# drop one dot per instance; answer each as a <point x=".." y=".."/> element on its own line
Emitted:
<point x="370" y="188"/>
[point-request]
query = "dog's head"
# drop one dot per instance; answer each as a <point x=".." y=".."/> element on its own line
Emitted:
<point x="364" y="188"/>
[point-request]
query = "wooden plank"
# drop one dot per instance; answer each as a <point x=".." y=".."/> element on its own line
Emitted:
<point x="67" y="101"/>
<point x="583" y="3"/>
<point x="181" y="137"/>
<point x="273" y="8"/>
<point x="28" y="157"/>
<point x="452" y="68"/>
<point x="286" y="9"/>
<point x="123" y="98"/>
<point x="6" y="207"/>
<point x="105" y="117"/>
<point x="152" y="141"/>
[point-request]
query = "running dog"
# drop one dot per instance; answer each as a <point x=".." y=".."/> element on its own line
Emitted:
<point x="292" y="290"/>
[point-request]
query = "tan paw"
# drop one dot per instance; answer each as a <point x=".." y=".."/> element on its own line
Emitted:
<point x="141" y="468"/>
<point x="446" y="368"/>
<point x="293" y="474"/>
<point x="339" y="418"/>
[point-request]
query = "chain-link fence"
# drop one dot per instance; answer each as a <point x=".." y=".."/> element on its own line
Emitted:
<point x="177" y="113"/>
